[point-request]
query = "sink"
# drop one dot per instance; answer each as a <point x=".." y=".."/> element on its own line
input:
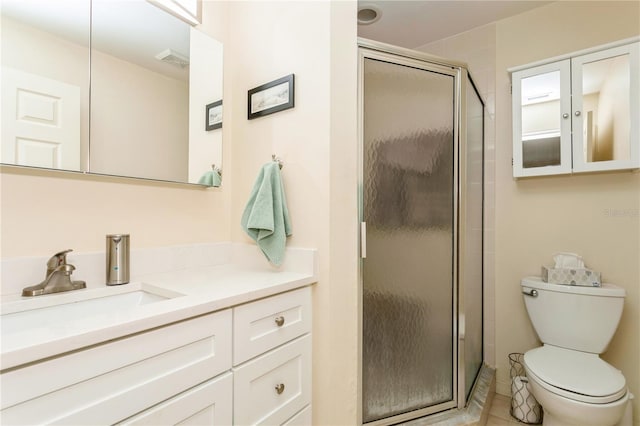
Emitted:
<point x="77" y="311"/>
<point x="41" y="318"/>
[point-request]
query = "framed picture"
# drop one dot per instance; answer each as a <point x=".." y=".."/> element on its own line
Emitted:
<point x="213" y="117"/>
<point x="275" y="96"/>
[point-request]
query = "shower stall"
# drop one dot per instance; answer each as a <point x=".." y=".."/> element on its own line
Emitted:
<point x="421" y="212"/>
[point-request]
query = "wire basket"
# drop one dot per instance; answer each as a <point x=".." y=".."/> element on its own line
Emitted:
<point x="524" y="406"/>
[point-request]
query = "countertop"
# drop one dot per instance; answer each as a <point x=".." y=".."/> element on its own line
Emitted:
<point x="192" y="292"/>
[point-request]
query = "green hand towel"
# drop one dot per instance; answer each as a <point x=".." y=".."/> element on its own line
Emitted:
<point x="266" y="217"/>
<point x="211" y="178"/>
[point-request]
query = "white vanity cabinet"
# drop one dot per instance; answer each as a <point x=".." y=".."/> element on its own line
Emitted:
<point x="110" y="382"/>
<point x="272" y="359"/>
<point x="245" y="364"/>
<point x="210" y="403"/>
<point x="577" y="113"/>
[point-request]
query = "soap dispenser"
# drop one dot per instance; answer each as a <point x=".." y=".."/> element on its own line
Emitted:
<point x="117" y="259"/>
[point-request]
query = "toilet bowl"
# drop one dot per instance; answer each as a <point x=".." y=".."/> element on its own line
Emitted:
<point x="576" y="388"/>
<point x="566" y="375"/>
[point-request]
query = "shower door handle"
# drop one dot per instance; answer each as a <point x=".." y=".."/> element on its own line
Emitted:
<point x="363" y="239"/>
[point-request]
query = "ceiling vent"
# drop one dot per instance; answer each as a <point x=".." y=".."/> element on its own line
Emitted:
<point x="174" y="58"/>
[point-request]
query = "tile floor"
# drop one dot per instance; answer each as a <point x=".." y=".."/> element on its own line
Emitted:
<point x="499" y="412"/>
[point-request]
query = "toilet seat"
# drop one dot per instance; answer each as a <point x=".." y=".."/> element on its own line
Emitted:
<point x="576" y="375"/>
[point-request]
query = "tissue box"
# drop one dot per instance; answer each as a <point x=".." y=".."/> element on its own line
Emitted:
<point x="571" y="276"/>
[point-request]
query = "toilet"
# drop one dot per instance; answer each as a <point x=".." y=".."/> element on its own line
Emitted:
<point x="566" y="375"/>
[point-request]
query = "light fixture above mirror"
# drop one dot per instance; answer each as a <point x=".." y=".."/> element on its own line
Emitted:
<point x="189" y="11"/>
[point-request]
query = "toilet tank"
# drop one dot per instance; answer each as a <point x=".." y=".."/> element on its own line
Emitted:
<point x="573" y="317"/>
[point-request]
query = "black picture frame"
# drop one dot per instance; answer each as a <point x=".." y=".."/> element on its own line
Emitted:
<point x="213" y="116"/>
<point x="271" y="97"/>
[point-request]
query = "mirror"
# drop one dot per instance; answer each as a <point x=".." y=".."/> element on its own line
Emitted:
<point x="605" y="109"/>
<point x="45" y="84"/>
<point x="152" y="77"/>
<point x="541" y="120"/>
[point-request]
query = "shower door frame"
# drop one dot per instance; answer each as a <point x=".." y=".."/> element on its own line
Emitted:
<point x="368" y="49"/>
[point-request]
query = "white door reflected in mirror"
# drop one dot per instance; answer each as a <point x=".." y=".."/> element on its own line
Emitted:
<point x="40" y="121"/>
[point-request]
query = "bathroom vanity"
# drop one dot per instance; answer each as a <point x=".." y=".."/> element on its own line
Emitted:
<point x="224" y="344"/>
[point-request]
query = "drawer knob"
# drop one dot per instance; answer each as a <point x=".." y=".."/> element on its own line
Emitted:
<point x="280" y="321"/>
<point x="279" y="388"/>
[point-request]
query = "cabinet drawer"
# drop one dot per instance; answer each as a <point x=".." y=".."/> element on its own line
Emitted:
<point x="303" y="418"/>
<point x="112" y="381"/>
<point x="207" y="404"/>
<point x="262" y="325"/>
<point x="274" y="387"/>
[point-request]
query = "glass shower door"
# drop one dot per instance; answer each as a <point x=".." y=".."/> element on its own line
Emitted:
<point x="471" y="230"/>
<point x="409" y="206"/>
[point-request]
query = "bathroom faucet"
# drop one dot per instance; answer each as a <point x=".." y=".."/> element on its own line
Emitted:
<point x="58" y="277"/>
<point x="56" y="260"/>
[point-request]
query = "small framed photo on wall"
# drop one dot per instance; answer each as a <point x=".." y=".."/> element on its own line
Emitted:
<point x="213" y="116"/>
<point x="271" y="97"/>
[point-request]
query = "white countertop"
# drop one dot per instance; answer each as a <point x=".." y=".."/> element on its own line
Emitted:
<point x="193" y="292"/>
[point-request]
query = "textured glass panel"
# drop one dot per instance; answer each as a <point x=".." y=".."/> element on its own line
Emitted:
<point x="473" y="239"/>
<point x="408" y="207"/>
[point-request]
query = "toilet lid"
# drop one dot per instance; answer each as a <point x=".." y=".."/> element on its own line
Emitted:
<point x="574" y="371"/>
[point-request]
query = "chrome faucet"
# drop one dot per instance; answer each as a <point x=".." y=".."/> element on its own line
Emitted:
<point x="57" y="279"/>
<point x="56" y="260"/>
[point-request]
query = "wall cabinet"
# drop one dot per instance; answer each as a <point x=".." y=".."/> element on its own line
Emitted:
<point x="578" y="113"/>
<point x="182" y="373"/>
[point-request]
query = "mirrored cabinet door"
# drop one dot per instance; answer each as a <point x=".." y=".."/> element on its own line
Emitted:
<point x="541" y="120"/>
<point x="579" y="114"/>
<point x="605" y="109"/>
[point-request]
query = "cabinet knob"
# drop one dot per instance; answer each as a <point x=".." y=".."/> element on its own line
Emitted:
<point x="577" y="113"/>
<point x="279" y="321"/>
<point x="565" y="115"/>
<point x="279" y="388"/>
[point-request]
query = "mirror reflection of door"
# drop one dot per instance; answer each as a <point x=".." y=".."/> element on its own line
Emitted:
<point x="605" y="109"/>
<point x="40" y="121"/>
<point x="45" y="83"/>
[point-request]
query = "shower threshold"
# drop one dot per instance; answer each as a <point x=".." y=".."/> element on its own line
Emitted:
<point x="476" y="411"/>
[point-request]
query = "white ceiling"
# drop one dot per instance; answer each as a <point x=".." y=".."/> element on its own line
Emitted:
<point x="412" y="24"/>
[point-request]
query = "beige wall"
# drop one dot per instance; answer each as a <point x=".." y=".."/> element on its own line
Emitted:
<point x="541" y="117"/>
<point x="316" y="141"/>
<point x="595" y="215"/>
<point x="139" y="121"/>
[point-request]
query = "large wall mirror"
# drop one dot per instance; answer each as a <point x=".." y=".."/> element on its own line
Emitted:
<point x="110" y="87"/>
